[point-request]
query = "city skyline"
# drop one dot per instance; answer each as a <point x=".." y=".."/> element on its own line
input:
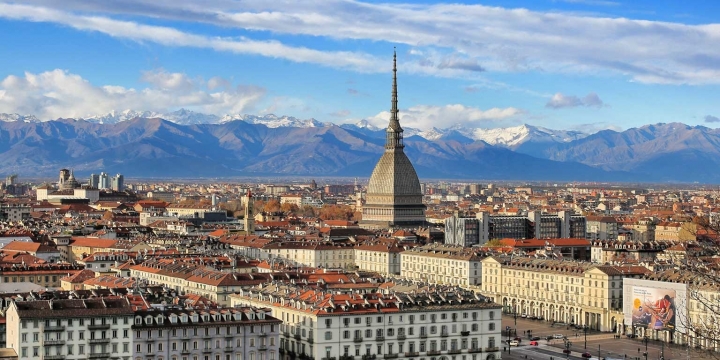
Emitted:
<point x="582" y="65"/>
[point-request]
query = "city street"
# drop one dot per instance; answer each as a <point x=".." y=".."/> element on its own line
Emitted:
<point x="602" y="344"/>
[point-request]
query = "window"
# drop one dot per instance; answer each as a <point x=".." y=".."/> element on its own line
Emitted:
<point x="491" y="326"/>
<point x="328" y="323"/>
<point x="491" y="315"/>
<point x="328" y="335"/>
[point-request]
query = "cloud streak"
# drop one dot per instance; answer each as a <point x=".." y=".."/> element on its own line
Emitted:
<point x="560" y="101"/>
<point x="470" y="38"/>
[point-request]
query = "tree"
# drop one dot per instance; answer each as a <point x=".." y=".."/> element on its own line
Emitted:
<point x="289" y="208"/>
<point x="336" y="212"/>
<point x="272" y="206"/>
<point x="308" y="211"/>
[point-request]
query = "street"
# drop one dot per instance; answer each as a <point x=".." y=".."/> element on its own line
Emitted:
<point x="603" y="345"/>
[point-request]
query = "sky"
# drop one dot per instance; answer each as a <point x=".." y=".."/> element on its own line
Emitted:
<point x="582" y="65"/>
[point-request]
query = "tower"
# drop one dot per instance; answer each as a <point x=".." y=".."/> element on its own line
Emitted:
<point x="249" y="221"/>
<point x="64" y="176"/>
<point x="104" y="181"/>
<point x="118" y="182"/>
<point x="394" y="197"/>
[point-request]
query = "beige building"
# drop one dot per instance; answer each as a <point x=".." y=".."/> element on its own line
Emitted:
<point x="315" y="254"/>
<point x="433" y="323"/>
<point x="376" y="256"/>
<point x="442" y="264"/>
<point x="562" y="291"/>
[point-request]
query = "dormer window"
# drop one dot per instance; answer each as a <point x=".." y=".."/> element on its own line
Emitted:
<point x="148" y="320"/>
<point x="138" y="320"/>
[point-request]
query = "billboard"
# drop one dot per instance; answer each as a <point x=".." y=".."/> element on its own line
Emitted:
<point x="653" y="308"/>
<point x="654" y="305"/>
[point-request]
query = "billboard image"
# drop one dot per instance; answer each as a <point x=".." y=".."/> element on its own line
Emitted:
<point x="653" y="308"/>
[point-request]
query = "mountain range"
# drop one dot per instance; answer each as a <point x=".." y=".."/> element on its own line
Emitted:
<point x="190" y="144"/>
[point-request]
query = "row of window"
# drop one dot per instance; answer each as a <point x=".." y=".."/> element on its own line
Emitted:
<point x="70" y="350"/>
<point x="411" y="318"/>
<point x="410" y="331"/>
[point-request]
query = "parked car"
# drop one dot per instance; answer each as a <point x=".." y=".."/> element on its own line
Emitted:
<point x="586" y="355"/>
<point x="535" y="338"/>
<point x="514" y="343"/>
<point x="518" y="339"/>
<point x="566" y="351"/>
<point x="558" y="336"/>
<point x="534" y="343"/>
<point x="540" y="318"/>
<point x="533" y="317"/>
<point x="524" y="315"/>
<point x="549" y="337"/>
<point x="631" y="336"/>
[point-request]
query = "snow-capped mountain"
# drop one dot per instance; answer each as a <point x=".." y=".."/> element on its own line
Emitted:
<point x="115" y="117"/>
<point x="18" y="117"/>
<point x="273" y="121"/>
<point x="513" y="137"/>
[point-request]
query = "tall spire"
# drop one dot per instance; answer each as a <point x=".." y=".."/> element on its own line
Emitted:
<point x="394" y="131"/>
<point x="394" y="109"/>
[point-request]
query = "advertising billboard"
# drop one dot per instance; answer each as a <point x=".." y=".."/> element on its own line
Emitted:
<point x="653" y="308"/>
<point x="654" y="305"/>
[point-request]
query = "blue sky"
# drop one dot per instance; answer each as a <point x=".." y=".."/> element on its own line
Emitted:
<point x="564" y="64"/>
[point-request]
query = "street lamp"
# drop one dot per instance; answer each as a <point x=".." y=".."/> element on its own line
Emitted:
<point x="567" y="348"/>
<point x="585" y="329"/>
<point x="645" y="340"/>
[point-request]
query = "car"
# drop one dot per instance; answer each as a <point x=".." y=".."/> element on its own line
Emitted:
<point x="549" y="337"/>
<point x="586" y="355"/>
<point x="535" y="338"/>
<point x="533" y="317"/>
<point x="514" y="343"/>
<point x="566" y="351"/>
<point x="540" y="318"/>
<point x="524" y="315"/>
<point x="631" y="336"/>
<point x="534" y="343"/>
<point x="518" y="339"/>
<point x="558" y="336"/>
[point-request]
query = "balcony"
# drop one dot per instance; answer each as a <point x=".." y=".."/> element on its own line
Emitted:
<point x="464" y="333"/>
<point x="207" y="350"/>
<point x="98" y="341"/>
<point x="262" y="347"/>
<point x="454" y="351"/>
<point x="474" y="350"/>
<point x="444" y="334"/>
<point x="232" y="348"/>
<point x="286" y="334"/>
<point x="54" y="342"/>
<point x="357" y="339"/>
<point x="54" y="328"/>
<point x="368" y="357"/>
<point x="401" y="337"/>
<point x="99" y="356"/>
<point x="99" y="327"/>
<point x="297" y="337"/>
<point x="433" y="353"/>
<point x="412" y="354"/>
<point x="262" y="334"/>
<point x="347" y="357"/>
<point x="311" y="340"/>
<point x="390" y="356"/>
<point x="491" y="349"/>
<point x="423" y="335"/>
<point x="329" y="358"/>
<point x="185" y="351"/>
<point x="379" y="338"/>
<point x="54" y="357"/>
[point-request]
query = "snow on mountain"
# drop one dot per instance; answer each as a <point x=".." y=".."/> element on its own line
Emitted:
<point x="115" y="117"/>
<point x="189" y="117"/>
<point x="432" y="134"/>
<point x="517" y="135"/>
<point x="18" y="117"/>
<point x="273" y="121"/>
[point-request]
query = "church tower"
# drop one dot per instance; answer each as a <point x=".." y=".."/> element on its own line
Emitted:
<point x="394" y="198"/>
<point x="249" y="221"/>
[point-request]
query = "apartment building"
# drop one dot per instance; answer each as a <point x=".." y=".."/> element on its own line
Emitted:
<point x="177" y="333"/>
<point x="442" y="264"/>
<point x="377" y="256"/>
<point x="193" y="279"/>
<point x="314" y="254"/>
<point x="70" y="329"/>
<point x="436" y="322"/>
<point x="566" y="291"/>
<point x="46" y="275"/>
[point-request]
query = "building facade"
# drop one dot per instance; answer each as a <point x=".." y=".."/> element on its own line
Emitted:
<point x="442" y="264"/>
<point x="427" y="325"/>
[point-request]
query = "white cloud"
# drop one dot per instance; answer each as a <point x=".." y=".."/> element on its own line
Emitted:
<point x="58" y="93"/>
<point x="429" y="116"/>
<point x="468" y="37"/>
<point x="560" y="101"/>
